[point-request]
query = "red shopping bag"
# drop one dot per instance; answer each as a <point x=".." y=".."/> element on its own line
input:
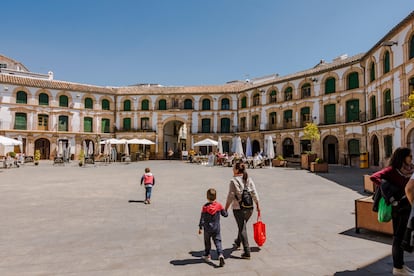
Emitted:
<point x="259" y="231"/>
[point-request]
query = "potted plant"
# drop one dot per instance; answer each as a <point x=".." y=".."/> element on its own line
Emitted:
<point x="81" y="158"/>
<point x="37" y="157"/>
<point x="279" y="161"/>
<point x="311" y="132"/>
<point x="319" y="165"/>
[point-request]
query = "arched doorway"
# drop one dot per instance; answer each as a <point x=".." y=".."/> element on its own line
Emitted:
<point x="175" y="138"/>
<point x="255" y="147"/>
<point x="330" y="149"/>
<point x="43" y="145"/>
<point x="288" y="148"/>
<point x="375" y="151"/>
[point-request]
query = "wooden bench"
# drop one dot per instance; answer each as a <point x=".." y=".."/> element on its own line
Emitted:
<point x="293" y="161"/>
<point x="368" y="219"/>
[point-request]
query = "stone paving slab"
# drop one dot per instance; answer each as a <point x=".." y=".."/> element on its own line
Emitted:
<point x="67" y="220"/>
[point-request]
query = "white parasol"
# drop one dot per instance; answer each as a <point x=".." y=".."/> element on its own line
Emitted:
<point x="220" y="145"/>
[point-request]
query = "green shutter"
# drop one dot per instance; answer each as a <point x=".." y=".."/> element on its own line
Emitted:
<point x="87" y="124"/>
<point x="330" y="86"/>
<point x="127" y="124"/>
<point x="43" y="99"/>
<point x="205" y="124"/>
<point x="21" y="97"/>
<point x="105" y="126"/>
<point x="63" y="123"/>
<point x="330" y="114"/>
<point x="388" y="145"/>
<point x="145" y="105"/>
<point x="88" y="103"/>
<point x="386" y="62"/>
<point x="225" y="125"/>
<point x="411" y="55"/>
<point x="372" y="72"/>
<point x="288" y="94"/>
<point x="244" y="102"/>
<point x="127" y="105"/>
<point x="353" y="80"/>
<point x="373" y="108"/>
<point x="162" y="105"/>
<point x="105" y="104"/>
<point x="353" y="147"/>
<point x="63" y="101"/>
<point x="20" y="121"/>
<point x="206" y="104"/>
<point x="225" y="104"/>
<point x="188" y="104"/>
<point x="352" y="111"/>
<point x="387" y="103"/>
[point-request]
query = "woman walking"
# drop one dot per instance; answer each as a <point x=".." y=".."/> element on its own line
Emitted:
<point x="238" y="183"/>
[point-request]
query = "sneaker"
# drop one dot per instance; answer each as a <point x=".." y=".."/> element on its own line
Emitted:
<point x="236" y="245"/>
<point x="221" y="259"/>
<point x="405" y="271"/>
<point x="245" y="256"/>
<point x="145" y="202"/>
<point x="148" y="201"/>
<point x="206" y="258"/>
<point x="408" y="269"/>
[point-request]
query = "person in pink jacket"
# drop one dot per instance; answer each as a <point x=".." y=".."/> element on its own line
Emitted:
<point x="149" y="181"/>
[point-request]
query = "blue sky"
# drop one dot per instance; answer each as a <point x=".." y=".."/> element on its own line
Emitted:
<point x="192" y="42"/>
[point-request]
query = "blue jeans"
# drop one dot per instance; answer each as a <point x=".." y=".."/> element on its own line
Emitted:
<point x="148" y="192"/>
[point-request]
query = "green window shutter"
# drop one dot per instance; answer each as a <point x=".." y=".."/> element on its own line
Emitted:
<point x="288" y="94"/>
<point x="352" y="111"/>
<point x="105" y="126"/>
<point x="127" y="105"/>
<point x="244" y="102"/>
<point x="88" y="103"/>
<point x="21" y="97"/>
<point x="353" y="80"/>
<point x="206" y="104"/>
<point x="63" y="101"/>
<point x="63" y="123"/>
<point x="330" y="86"/>
<point x="305" y="115"/>
<point x="273" y="96"/>
<point x="272" y="118"/>
<point x="353" y="147"/>
<point x="225" y="104"/>
<point x="43" y="99"/>
<point x="386" y="62"/>
<point x="205" y="125"/>
<point x="372" y="72"/>
<point x="20" y="121"/>
<point x="388" y="145"/>
<point x="225" y="125"/>
<point x="373" y="108"/>
<point x="387" y="103"/>
<point x="145" y="105"/>
<point x="188" y="104"/>
<point x="330" y="114"/>
<point x="162" y="105"/>
<point x="87" y="124"/>
<point x="411" y="45"/>
<point x="127" y="124"/>
<point x="105" y="104"/>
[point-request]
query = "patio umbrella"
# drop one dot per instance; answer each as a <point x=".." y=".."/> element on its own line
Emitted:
<point x="6" y="141"/>
<point x="85" y="148"/>
<point x="90" y="149"/>
<point x="68" y="151"/>
<point x="60" y="149"/>
<point x="269" y="149"/>
<point x="19" y="138"/>
<point x="126" y="149"/>
<point x="233" y="144"/>
<point x="220" y="145"/>
<point x="238" y="147"/>
<point x="206" y="142"/>
<point x="248" y="148"/>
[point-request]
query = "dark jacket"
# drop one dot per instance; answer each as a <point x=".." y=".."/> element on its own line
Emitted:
<point x="210" y="217"/>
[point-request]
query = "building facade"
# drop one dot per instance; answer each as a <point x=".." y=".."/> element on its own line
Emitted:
<point x="357" y="103"/>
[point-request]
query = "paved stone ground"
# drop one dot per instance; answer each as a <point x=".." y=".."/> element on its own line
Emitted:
<point x="67" y="220"/>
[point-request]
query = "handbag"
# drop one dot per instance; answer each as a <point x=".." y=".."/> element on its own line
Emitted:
<point x="259" y="231"/>
<point x="384" y="211"/>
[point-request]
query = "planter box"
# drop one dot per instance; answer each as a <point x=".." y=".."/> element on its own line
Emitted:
<point x="306" y="160"/>
<point x="316" y="167"/>
<point x="368" y="219"/>
<point x="279" y="163"/>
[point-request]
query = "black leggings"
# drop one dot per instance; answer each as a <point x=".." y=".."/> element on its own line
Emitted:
<point x="242" y="216"/>
<point x="399" y="224"/>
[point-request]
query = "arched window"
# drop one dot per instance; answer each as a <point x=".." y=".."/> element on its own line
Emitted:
<point x="256" y="99"/>
<point x="273" y="96"/>
<point x="288" y="94"/>
<point x="287" y="118"/>
<point x="387" y="103"/>
<point x="242" y="124"/>
<point x="386" y="68"/>
<point x="330" y="85"/>
<point x="352" y="80"/>
<point x="127" y="124"/>
<point x="330" y="114"/>
<point x="255" y="122"/>
<point x="372" y="72"/>
<point x="88" y="103"/>
<point x="127" y="105"/>
<point x="63" y="101"/>
<point x="145" y="105"/>
<point x="162" y="104"/>
<point x="21" y="97"/>
<point x="20" y="121"/>
<point x="243" y="102"/>
<point x="105" y="104"/>
<point x="205" y="125"/>
<point x="373" y="107"/>
<point x="87" y="124"/>
<point x="145" y="123"/>
<point x="105" y="126"/>
<point x="63" y="123"/>
<point x="411" y="48"/>
<point x="43" y="99"/>
<point x="352" y="111"/>
<point x="225" y="104"/>
<point x="43" y="122"/>
<point x="188" y="104"/>
<point x="225" y="125"/>
<point x="206" y="104"/>
<point x="306" y="90"/>
<point x="305" y="116"/>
